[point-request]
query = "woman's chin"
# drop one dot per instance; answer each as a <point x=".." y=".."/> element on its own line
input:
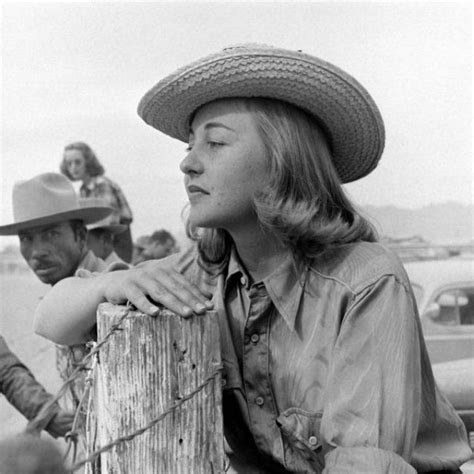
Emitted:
<point x="203" y="221"/>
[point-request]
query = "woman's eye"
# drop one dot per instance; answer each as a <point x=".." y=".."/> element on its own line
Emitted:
<point x="213" y="144"/>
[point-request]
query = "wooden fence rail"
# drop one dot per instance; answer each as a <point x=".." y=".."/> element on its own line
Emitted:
<point x="152" y="365"/>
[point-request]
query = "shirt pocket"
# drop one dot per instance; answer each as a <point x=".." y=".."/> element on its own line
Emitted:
<point x="303" y="446"/>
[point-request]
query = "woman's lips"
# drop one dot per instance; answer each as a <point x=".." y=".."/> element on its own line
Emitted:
<point x="193" y="189"/>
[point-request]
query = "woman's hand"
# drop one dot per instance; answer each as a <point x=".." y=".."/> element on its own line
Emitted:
<point x="154" y="282"/>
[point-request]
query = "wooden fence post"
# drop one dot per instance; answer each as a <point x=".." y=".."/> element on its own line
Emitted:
<point x="147" y="366"/>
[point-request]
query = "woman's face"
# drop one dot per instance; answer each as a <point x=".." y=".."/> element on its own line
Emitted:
<point x="75" y="164"/>
<point x="226" y="165"/>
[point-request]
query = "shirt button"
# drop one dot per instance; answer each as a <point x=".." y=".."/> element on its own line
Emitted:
<point x="254" y="338"/>
<point x="259" y="401"/>
<point x="243" y="281"/>
<point x="313" y="441"/>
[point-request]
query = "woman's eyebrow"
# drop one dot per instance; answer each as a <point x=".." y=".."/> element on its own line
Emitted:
<point x="212" y="125"/>
<point x="218" y="125"/>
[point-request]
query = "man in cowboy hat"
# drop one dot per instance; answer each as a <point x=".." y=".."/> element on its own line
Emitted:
<point x="101" y="236"/>
<point x="50" y="221"/>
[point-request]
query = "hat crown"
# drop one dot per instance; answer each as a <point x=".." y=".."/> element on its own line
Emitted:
<point x="50" y="198"/>
<point x="45" y="194"/>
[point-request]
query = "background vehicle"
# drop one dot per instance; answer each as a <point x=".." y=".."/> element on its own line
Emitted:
<point x="444" y="291"/>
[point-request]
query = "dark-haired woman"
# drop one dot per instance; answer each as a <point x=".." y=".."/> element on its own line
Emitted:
<point x="80" y="163"/>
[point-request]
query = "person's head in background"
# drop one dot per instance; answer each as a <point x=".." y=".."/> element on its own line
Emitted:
<point x="101" y="236"/>
<point x="50" y="221"/>
<point x="101" y="242"/>
<point x="139" y="247"/>
<point x="160" y="244"/>
<point x="80" y="163"/>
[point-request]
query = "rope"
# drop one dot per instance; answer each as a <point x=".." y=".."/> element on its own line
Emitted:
<point x="172" y="407"/>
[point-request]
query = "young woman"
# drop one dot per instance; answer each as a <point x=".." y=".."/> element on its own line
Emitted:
<point x="325" y="364"/>
<point x="80" y="163"/>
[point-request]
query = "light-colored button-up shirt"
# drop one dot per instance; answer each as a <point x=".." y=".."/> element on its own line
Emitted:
<point x="326" y="368"/>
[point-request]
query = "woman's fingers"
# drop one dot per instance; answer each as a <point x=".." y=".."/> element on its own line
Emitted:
<point x="144" y="286"/>
<point x="178" y="294"/>
<point x="136" y="296"/>
<point x="161" y="272"/>
<point x="203" y="295"/>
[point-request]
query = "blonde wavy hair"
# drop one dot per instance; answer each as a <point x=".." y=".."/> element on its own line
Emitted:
<point x="303" y="203"/>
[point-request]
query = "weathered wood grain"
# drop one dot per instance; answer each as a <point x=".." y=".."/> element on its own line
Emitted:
<point x="144" y="368"/>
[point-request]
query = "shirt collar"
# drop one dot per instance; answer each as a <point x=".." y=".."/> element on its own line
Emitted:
<point x="284" y="286"/>
<point x="285" y="289"/>
<point x="235" y="269"/>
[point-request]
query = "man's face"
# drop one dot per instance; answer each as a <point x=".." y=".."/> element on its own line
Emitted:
<point x="52" y="251"/>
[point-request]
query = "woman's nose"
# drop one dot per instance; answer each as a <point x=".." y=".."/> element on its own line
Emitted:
<point x="191" y="163"/>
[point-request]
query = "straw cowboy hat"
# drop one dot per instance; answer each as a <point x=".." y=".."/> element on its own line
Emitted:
<point x="49" y="198"/>
<point x="339" y="103"/>
<point x="110" y="224"/>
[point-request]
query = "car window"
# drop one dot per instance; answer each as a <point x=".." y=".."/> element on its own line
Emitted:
<point x="456" y="307"/>
<point x="467" y="310"/>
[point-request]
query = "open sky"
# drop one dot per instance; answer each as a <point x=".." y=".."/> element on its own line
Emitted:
<point x="76" y="71"/>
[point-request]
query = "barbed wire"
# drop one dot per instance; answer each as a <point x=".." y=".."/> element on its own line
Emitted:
<point x="72" y="436"/>
<point x="42" y="418"/>
<point x="170" y="408"/>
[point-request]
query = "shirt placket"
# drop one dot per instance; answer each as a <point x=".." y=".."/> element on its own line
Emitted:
<point x="255" y="371"/>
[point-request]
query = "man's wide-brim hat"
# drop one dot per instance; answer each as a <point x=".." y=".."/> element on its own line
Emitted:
<point x="339" y="103"/>
<point x="49" y="198"/>
<point x="110" y="224"/>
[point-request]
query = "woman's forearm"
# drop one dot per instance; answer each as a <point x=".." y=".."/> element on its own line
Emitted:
<point x="68" y="311"/>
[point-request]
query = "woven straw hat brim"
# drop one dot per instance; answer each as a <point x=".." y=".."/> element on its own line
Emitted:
<point x="85" y="214"/>
<point x="341" y="105"/>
